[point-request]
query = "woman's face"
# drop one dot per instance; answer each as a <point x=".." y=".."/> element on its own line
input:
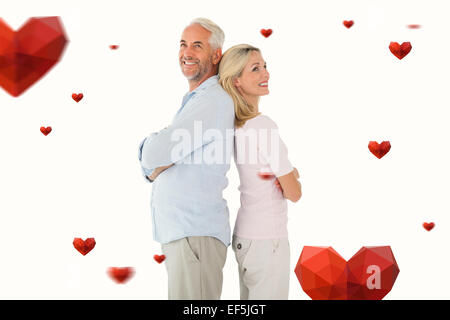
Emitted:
<point x="253" y="81"/>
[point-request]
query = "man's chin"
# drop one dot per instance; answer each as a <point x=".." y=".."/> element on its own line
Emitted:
<point x="190" y="76"/>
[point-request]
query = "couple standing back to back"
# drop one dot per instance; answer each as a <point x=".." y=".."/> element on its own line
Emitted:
<point x="190" y="218"/>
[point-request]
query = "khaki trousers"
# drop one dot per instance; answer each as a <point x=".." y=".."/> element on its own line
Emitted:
<point x="263" y="268"/>
<point x="194" y="268"/>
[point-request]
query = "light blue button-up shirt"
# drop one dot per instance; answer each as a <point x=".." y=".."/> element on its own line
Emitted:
<point x="187" y="198"/>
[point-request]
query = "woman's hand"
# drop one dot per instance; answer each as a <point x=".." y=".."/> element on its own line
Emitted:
<point x="297" y="176"/>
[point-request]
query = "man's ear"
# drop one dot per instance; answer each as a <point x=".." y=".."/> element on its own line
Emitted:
<point x="217" y="56"/>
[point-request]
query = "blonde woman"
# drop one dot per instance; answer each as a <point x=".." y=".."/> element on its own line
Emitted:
<point x="267" y="179"/>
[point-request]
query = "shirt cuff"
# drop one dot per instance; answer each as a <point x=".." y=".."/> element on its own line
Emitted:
<point x="146" y="173"/>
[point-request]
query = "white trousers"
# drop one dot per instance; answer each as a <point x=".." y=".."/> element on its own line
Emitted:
<point x="263" y="268"/>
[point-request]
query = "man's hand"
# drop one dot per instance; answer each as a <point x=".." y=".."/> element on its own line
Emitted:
<point x="157" y="171"/>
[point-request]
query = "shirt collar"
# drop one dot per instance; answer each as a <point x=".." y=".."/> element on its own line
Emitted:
<point x="205" y="84"/>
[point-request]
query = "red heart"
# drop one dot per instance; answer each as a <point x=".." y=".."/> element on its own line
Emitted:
<point x="84" y="246"/>
<point x="45" y="130"/>
<point x="400" y="51"/>
<point x="28" y="54"/>
<point x="266" y="32"/>
<point x="348" y="24"/>
<point x="120" y="275"/>
<point x="266" y="175"/>
<point x="77" y="97"/>
<point x="114" y="46"/>
<point x="428" y="226"/>
<point x="414" y="26"/>
<point x="369" y="275"/>
<point x="160" y="258"/>
<point x="379" y="150"/>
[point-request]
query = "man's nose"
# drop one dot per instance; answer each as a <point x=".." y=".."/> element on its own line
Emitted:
<point x="188" y="53"/>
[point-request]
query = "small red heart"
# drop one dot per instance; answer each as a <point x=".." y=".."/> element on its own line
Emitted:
<point x="45" y="130"/>
<point x="379" y="150"/>
<point x="414" y="26"/>
<point x="77" y="97"/>
<point x="120" y="275"/>
<point x="266" y="32"/>
<point x="114" y="46"/>
<point x="428" y="226"/>
<point x="348" y="24"/>
<point x="266" y="175"/>
<point x="160" y="258"/>
<point x="400" y="51"/>
<point x="84" y="246"/>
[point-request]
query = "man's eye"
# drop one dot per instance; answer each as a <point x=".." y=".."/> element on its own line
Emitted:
<point x="255" y="68"/>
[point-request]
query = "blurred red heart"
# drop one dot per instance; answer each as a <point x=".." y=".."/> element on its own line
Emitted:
<point x="45" y="130"/>
<point x="120" y="275"/>
<point x="428" y="226"/>
<point x="114" y="46"/>
<point x="84" y="246"/>
<point x="160" y="258"/>
<point x="266" y="32"/>
<point x="400" y="51"/>
<point x="348" y="24"/>
<point x="379" y="150"/>
<point x="77" y="97"/>
<point x="28" y="54"/>
<point x="266" y="175"/>
<point x="414" y="26"/>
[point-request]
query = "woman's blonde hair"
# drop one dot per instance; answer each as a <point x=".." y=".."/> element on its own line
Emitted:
<point x="231" y="66"/>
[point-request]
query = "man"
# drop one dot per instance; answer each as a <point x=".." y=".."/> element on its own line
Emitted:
<point x="189" y="215"/>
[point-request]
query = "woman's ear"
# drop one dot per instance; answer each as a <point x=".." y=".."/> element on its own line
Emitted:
<point x="236" y="82"/>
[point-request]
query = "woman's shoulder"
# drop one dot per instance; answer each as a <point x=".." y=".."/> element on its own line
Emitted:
<point x="261" y="121"/>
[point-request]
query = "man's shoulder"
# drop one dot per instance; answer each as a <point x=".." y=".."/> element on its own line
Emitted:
<point x="215" y="92"/>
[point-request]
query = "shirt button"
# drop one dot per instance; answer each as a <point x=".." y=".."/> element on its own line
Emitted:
<point x="239" y="246"/>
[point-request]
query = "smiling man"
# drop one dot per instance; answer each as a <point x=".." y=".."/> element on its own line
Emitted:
<point x="189" y="215"/>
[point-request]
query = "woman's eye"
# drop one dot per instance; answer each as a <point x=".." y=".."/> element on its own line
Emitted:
<point x="255" y="68"/>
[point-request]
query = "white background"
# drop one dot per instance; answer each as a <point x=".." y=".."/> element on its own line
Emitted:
<point x="332" y="90"/>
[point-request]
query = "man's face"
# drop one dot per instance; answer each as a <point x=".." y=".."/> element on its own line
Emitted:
<point x="196" y="54"/>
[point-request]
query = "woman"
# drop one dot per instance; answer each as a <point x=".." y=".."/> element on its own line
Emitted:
<point x="260" y="239"/>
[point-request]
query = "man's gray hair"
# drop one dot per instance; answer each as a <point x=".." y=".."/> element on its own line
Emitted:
<point x="217" y="35"/>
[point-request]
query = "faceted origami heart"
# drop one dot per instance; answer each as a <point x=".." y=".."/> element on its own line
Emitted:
<point x="379" y="150"/>
<point x="84" y="246"/>
<point x="28" y="54"/>
<point x="368" y="275"/>
<point x="400" y="51"/>
<point x="45" y="131"/>
<point x="159" y="258"/>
